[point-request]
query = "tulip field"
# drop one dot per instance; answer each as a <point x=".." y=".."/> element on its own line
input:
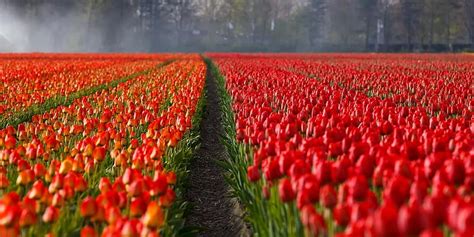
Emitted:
<point x="351" y="145"/>
<point x="107" y="162"/>
<point x="317" y="144"/>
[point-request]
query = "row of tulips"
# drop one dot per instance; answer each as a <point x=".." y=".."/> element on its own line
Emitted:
<point x="111" y="163"/>
<point x="33" y="83"/>
<point x="17" y="94"/>
<point x="438" y="83"/>
<point x="324" y="159"/>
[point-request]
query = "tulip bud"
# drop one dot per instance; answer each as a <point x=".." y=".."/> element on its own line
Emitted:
<point x="465" y="222"/>
<point x="342" y="214"/>
<point x="358" y="187"/>
<point x="99" y="153"/>
<point x="27" y="218"/>
<point x="160" y="185"/>
<point x="37" y="190"/>
<point x="58" y="200"/>
<point x="410" y="222"/>
<point x="136" y="188"/>
<point x="39" y="170"/>
<point x="253" y="173"/>
<point x="129" y="229"/>
<point x="171" y="177"/>
<point x="88" y="232"/>
<point x="9" y="215"/>
<point x="66" y="166"/>
<point x="104" y="185"/>
<point x="88" y="150"/>
<point x="154" y="216"/>
<point x="51" y="214"/>
<point x="88" y="207"/>
<point x="167" y="199"/>
<point x="385" y="220"/>
<point x="328" y="196"/>
<point x="80" y="184"/>
<point x="99" y="215"/>
<point x="25" y="177"/>
<point x="137" y="207"/>
<point x="3" y="181"/>
<point x="285" y="190"/>
<point x="10" y="142"/>
<point x="398" y="190"/>
<point x="112" y="214"/>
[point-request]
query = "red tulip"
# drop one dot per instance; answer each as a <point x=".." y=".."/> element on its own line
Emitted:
<point x="112" y="215"/>
<point x="398" y="190"/>
<point x="104" y="185"/>
<point x="129" y="229"/>
<point x="88" y="207"/>
<point x="160" y="185"/>
<point x="455" y="171"/>
<point x="137" y="207"/>
<point x="253" y="173"/>
<point x="341" y="214"/>
<point x="4" y="183"/>
<point x="432" y="233"/>
<point x="27" y="218"/>
<point x="358" y="187"/>
<point x="410" y="220"/>
<point x="99" y="153"/>
<point x="385" y="220"/>
<point x="9" y="215"/>
<point x="167" y="199"/>
<point x="465" y="222"/>
<point x="285" y="190"/>
<point x="328" y="196"/>
<point x="88" y="232"/>
<point x="51" y="214"/>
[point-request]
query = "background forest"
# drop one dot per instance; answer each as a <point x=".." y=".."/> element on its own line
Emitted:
<point x="236" y="25"/>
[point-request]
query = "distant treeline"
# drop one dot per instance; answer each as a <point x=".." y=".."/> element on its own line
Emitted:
<point x="244" y="25"/>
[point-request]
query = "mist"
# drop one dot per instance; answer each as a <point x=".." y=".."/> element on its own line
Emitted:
<point x="241" y="26"/>
<point x="47" y="27"/>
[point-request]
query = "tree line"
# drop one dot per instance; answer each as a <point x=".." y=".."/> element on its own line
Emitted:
<point x="249" y="25"/>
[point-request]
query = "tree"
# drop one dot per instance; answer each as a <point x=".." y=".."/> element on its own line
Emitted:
<point x="317" y="14"/>
<point x="181" y="14"/>
<point x="469" y="20"/>
<point x="410" y="13"/>
<point x="368" y="10"/>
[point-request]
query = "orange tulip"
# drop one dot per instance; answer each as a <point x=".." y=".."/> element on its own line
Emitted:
<point x="25" y="177"/>
<point x="99" y="153"/>
<point x="154" y="216"/>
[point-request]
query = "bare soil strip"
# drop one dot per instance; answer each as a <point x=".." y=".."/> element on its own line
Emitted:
<point x="212" y="208"/>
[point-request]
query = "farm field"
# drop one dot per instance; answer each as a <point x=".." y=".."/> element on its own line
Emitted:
<point x="312" y="144"/>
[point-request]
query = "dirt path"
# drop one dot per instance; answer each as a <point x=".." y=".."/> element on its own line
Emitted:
<point x="207" y="190"/>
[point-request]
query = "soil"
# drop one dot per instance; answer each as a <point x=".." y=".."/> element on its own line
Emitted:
<point x="212" y="208"/>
